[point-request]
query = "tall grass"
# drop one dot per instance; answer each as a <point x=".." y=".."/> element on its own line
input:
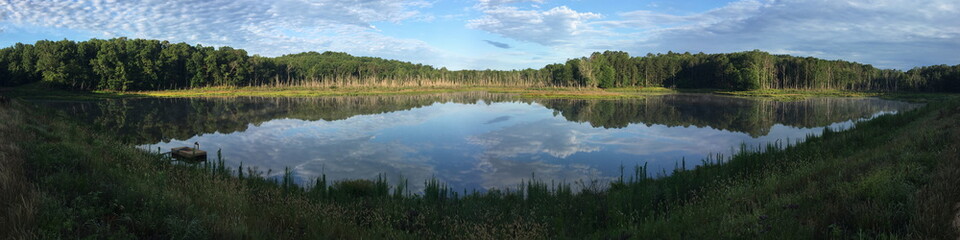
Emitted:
<point x="18" y="198"/>
<point x="890" y="177"/>
<point x="430" y="82"/>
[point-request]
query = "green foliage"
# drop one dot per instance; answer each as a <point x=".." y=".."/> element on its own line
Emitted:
<point x="606" y="76"/>
<point x="891" y="177"/>
<point x="123" y="64"/>
<point x="937" y="78"/>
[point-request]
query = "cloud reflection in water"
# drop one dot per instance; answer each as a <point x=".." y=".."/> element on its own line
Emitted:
<point x="551" y="136"/>
<point x="499" y="144"/>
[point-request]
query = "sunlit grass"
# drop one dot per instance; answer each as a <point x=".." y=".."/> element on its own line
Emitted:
<point x="643" y="90"/>
<point x="796" y="94"/>
<point x="37" y="91"/>
<point x="532" y="92"/>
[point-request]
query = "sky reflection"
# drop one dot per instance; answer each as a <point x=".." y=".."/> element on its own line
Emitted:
<point x="480" y="145"/>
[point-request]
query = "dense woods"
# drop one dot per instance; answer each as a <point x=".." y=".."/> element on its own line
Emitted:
<point x="123" y="64"/>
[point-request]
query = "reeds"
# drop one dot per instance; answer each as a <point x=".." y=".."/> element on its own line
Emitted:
<point x="890" y="177"/>
<point x="18" y="198"/>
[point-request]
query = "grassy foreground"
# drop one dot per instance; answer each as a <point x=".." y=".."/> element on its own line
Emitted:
<point x="892" y="177"/>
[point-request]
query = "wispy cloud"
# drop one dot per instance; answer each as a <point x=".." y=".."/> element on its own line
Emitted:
<point x="488" y="4"/>
<point x="498" y="44"/>
<point x="886" y="33"/>
<point x="889" y="34"/>
<point x="555" y="26"/>
<point x="265" y="27"/>
<point x="545" y="136"/>
<point x="894" y="33"/>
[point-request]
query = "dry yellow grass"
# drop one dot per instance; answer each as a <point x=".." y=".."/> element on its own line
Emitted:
<point x="572" y="93"/>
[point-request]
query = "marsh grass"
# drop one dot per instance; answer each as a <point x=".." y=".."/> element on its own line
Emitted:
<point x="890" y="177"/>
<point x="40" y="91"/>
<point x="648" y="90"/>
<point x="796" y="94"/>
<point x="36" y="91"/>
<point x="299" y="91"/>
<point x="18" y="197"/>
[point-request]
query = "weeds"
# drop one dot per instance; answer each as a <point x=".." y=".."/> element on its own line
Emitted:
<point x="890" y="177"/>
<point x="797" y="94"/>
<point x="18" y="198"/>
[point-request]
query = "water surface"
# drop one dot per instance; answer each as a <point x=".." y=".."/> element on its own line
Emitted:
<point x="470" y="140"/>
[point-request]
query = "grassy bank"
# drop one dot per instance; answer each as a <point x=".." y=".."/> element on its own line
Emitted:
<point x="799" y="94"/>
<point x="38" y="91"/>
<point x="793" y="94"/>
<point x="35" y="91"/>
<point x="893" y="176"/>
<point x="575" y="93"/>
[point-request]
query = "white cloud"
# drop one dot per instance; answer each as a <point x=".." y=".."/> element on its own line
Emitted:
<point x="264" y="27"/>
<point x="341" y="149"/>
<point x="645" y="19"/>
<point x="555" y="26"/>
<point x="487" y="4"/>
<point x="895" y="33"/>
<point x="889" y="34"/>
<point x="886" y="33"/>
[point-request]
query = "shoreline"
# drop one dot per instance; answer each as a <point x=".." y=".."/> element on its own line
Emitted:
<point x="794" y="192"/>
<point x="37" y="92"/>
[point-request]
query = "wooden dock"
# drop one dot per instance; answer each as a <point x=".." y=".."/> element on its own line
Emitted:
<point x="189" y="153"/>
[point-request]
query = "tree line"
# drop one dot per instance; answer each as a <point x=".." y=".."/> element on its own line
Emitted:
<point x="123" y="64"/>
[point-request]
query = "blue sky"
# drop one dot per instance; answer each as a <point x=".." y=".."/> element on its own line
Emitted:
<point x="512" y="34"/>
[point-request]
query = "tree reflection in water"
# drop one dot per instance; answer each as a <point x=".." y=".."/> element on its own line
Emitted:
<point x="470" y="140"/>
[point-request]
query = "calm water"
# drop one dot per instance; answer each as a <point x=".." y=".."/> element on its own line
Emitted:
<point x="470" y="140"/>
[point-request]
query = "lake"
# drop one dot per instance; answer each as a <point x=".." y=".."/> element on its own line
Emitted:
<point x="470" y="140"/>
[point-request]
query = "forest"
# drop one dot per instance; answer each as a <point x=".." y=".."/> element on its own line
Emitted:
<point x="122" y="64"/>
